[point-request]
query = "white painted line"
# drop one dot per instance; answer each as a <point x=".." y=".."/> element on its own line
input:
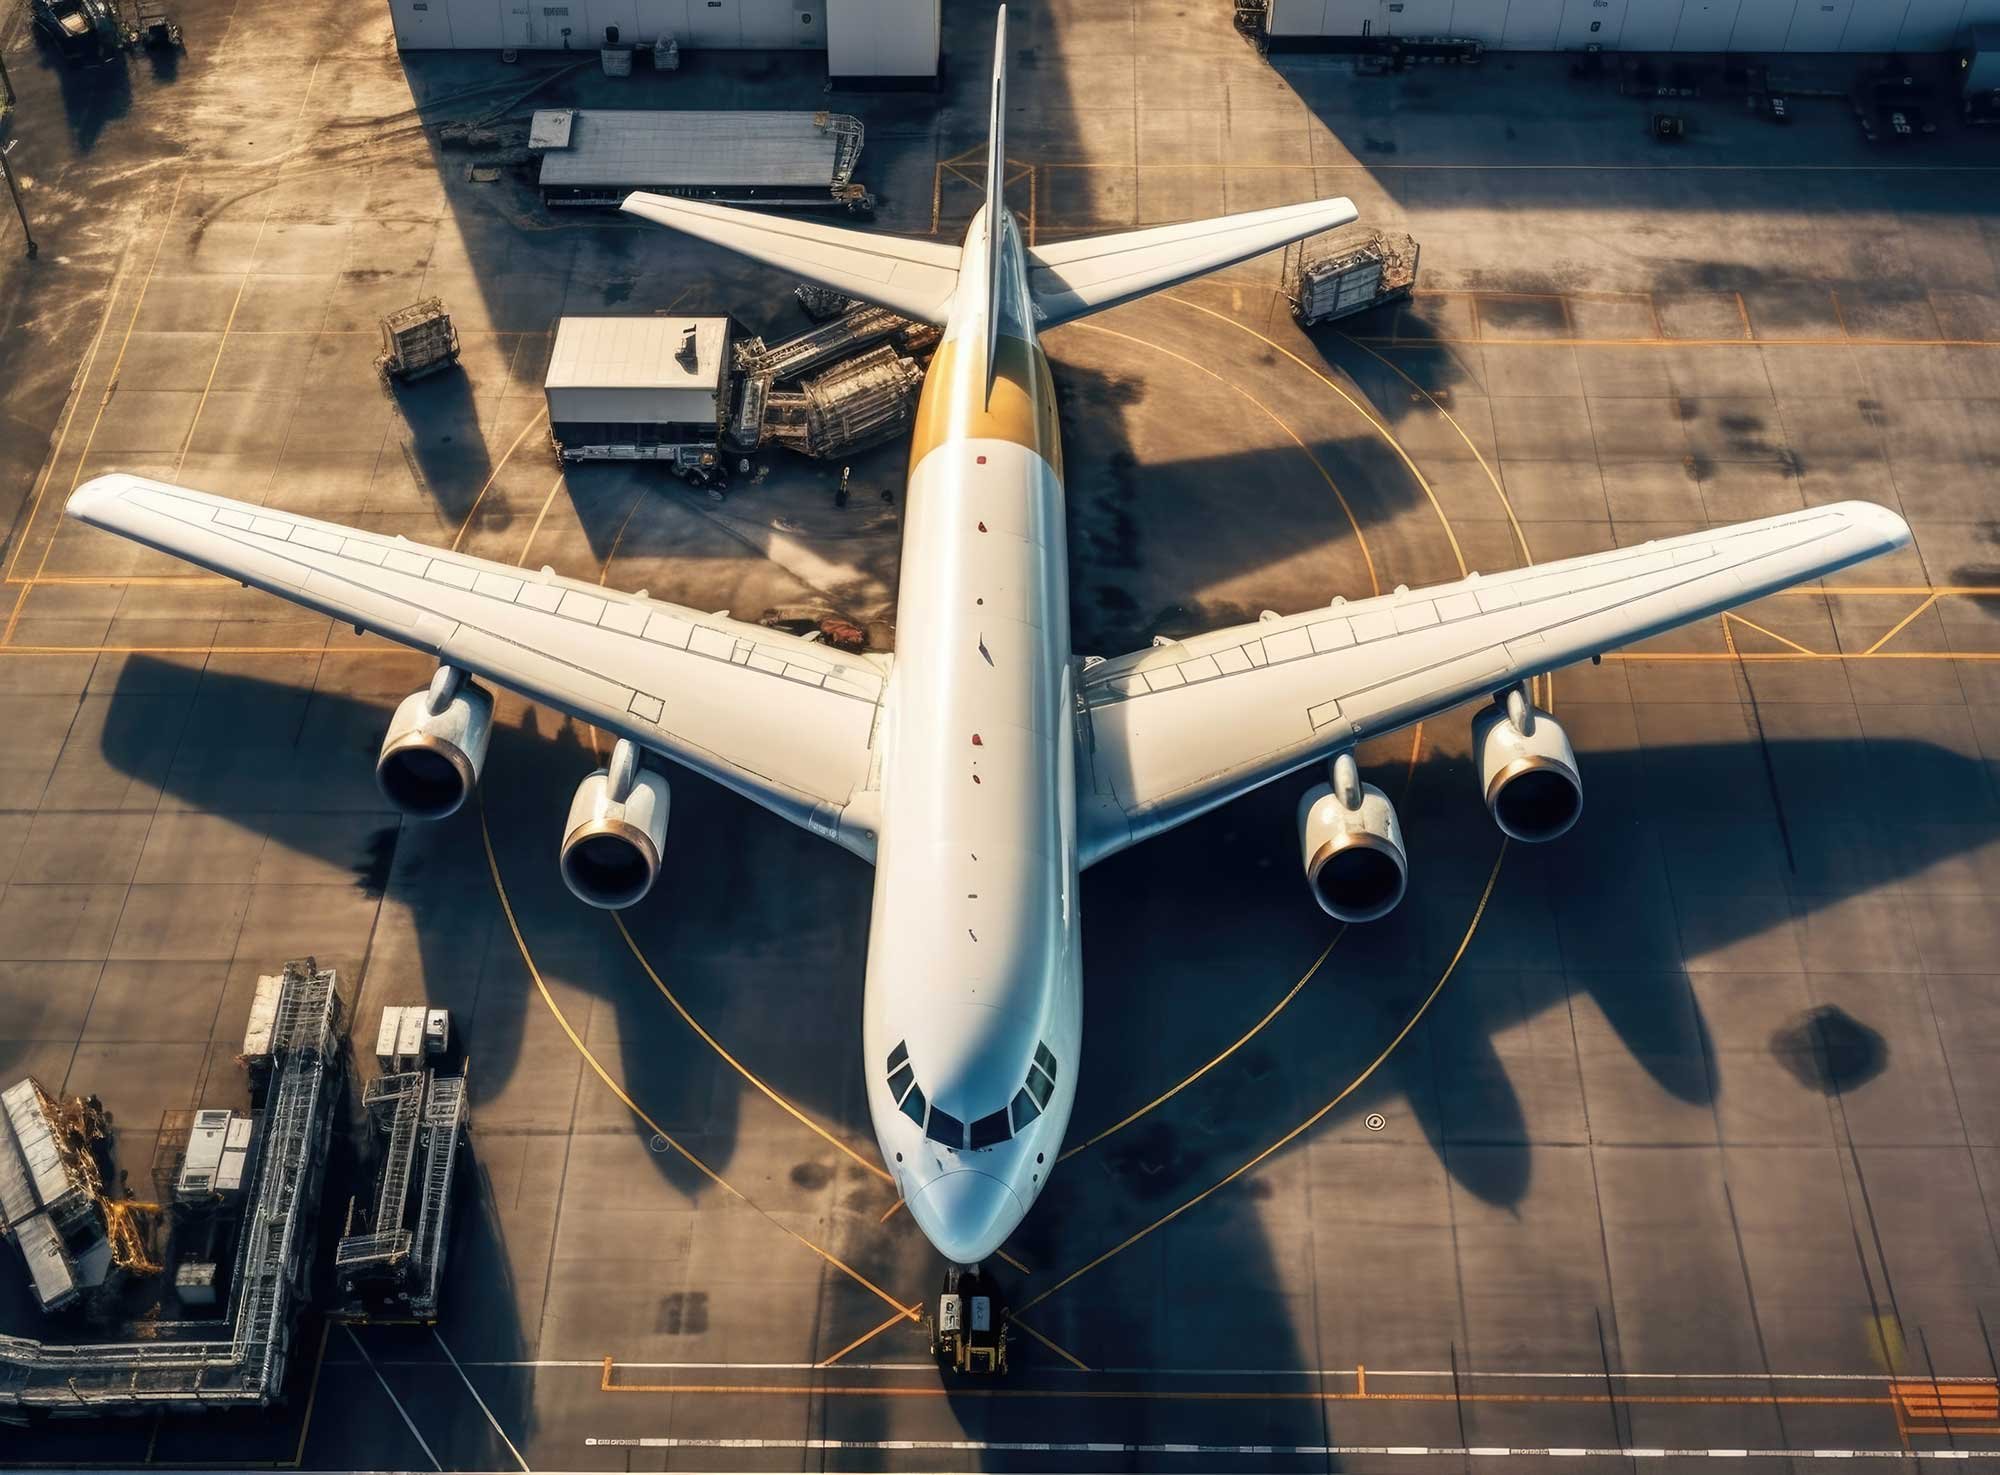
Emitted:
<point x="1315" y="1451"/>
<point x="408" y="1423"/>
<point x="1593" y="1375"/>
<point x="480" y="1401"/>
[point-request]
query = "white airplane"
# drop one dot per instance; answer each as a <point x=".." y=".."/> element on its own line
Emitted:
<point x="983" y="766"/>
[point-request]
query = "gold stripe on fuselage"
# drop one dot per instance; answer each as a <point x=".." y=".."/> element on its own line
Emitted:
<point x="955" y="405"/>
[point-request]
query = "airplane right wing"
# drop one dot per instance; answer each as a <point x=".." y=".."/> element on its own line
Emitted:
<point x="1071" y="279"/>
<point x="1174" y="731"/>
<point x="914" y="278"/>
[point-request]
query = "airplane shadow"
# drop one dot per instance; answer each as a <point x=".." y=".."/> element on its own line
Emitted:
<point x="761" y="933"/>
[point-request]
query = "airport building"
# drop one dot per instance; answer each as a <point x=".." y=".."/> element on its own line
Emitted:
<point x="862" y="38"/>
<point x="1638" y="25"/>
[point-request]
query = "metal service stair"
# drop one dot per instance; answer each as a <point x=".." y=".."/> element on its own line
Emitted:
<point x="306" y="1038"/>
<point x="401" y="1098"/>
<point x="856" y="329"/>
<point x="444" y="1117"/>
<point x="240" y="1363"/>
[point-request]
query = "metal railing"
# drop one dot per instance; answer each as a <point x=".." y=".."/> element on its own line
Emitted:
<point x="192" y="1366"/>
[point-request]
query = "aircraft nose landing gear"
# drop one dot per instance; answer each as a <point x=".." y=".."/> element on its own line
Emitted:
<point x="970" y="1327"/>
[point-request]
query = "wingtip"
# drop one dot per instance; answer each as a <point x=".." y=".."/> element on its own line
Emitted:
<point x="1889" y="525"/>
<point x="89" y="502"/>
<point x="1341" y="209"/>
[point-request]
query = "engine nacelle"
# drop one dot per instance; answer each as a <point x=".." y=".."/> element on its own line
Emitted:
<point x="1352" y="847"/>
<point x="1527" y="771"/>
<point x="436" y="745"/>
<point x="616" y="831"/>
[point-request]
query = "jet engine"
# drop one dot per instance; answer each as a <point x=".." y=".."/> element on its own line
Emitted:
<point x="617" y="828"/>
<point x="435" y="745"/>
<point x="1527" y="771"/>
<point x="1352" y="846"/>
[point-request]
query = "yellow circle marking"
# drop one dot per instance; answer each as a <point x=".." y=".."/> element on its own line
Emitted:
<point x="1374" y="584"/>
<point x="1165" y="1096"/>
<point x="783" y="1103"/>
<point x="1548" y="682"/>
<point x="492" y="476"/>
<point x="527" y="958"/>
<point x="547" y="502"/>
<point x="1310" y="1122"/>
<point x="520" y="942"/>
<point x="1357" y="406"/>
<point x="738" y="1066"/>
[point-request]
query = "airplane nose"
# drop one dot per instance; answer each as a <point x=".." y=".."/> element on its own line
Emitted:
<point x="966" y="1214"/>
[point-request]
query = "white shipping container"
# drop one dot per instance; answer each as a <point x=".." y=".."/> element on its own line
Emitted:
<point x="194" y="1283"/>
<point x="410" y="1035"/>
<point x="48" y="1268"/>
<point x="206" y="1141"/>
<point x="633" y="371"/>
<point x="203" y="1159"/>
<point x="385" y="1038"/>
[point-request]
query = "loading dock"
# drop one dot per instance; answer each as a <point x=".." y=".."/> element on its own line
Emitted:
<point x="597" y="156"/>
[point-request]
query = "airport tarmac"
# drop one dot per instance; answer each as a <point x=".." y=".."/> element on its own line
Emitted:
<point x="1666" y="1142"/>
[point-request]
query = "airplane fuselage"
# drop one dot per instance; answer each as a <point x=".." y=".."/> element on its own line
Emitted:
<point x="973" y="963"/>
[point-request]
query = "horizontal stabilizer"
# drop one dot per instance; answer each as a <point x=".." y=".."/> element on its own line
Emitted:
<point x="914" y="278"/>
<point x="1071" y="279"/>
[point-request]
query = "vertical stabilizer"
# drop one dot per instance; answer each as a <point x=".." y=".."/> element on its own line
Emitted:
<point x="996" y="193"/>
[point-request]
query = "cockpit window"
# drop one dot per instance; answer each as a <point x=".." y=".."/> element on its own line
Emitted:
<point x="1025" y="1109"/>
<point x="990" y="1129"/>
<point x="1029" y="1102"/>
<point x="946" y="1128"/>
<point x="1041" y="1088"/>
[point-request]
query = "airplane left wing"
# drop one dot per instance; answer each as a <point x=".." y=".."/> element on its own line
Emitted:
<point x="914" y="278"/>
<point x="785" y="722"/>
<point x="1169" y="733"/>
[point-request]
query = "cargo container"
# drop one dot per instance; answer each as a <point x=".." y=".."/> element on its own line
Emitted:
<point x="640" y="389"/>
<point x="1339" y="275"/>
